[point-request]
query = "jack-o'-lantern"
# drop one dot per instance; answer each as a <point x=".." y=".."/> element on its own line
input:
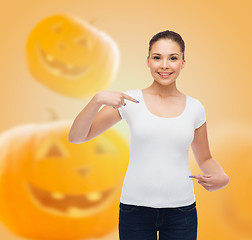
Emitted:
<point x="53" y="189"/>
<point x="227" y="212"/>
<point x="71" y="57"/>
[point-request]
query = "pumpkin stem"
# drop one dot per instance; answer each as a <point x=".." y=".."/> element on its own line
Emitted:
<point x="54" y="115"/>
<point x="91" y="22"/>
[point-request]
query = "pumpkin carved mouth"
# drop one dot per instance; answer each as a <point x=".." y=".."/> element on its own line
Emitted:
<point x="73" y="205"/>
<point x="58" y="67"/>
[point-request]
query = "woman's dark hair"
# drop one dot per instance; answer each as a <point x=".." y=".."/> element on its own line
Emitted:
<point x="169" y="35"/>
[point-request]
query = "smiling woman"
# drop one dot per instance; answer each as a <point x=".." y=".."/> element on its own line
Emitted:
<point x="163" y="124"/>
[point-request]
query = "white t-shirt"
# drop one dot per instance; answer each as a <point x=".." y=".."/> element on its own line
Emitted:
<point x="158" y="170"/>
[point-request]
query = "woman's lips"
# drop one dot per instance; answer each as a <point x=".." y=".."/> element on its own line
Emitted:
<point x="165" y="76"/>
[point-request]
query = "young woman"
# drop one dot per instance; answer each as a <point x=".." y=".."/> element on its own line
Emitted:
<point x="157" y="193"/>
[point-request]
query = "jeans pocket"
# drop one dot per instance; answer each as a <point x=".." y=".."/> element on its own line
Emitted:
<point x="188" y="208"/>
<point x="127" y="208"/>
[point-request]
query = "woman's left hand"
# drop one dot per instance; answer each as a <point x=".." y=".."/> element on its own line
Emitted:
<point x="210" y="182"/>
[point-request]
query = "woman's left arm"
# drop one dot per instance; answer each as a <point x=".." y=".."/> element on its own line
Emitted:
<point x="214" y="178"/>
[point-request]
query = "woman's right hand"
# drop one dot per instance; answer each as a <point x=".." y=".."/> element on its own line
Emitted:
<point x="113" y="99"/>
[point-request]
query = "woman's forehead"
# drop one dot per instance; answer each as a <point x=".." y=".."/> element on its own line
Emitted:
<point x="165" y="45"/>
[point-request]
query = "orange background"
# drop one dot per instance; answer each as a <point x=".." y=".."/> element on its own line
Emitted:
<point x="218" y="38"/>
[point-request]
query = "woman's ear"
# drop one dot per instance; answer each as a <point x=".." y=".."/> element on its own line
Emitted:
<point x="183" y="64"/>
<point x="148" y="62"/>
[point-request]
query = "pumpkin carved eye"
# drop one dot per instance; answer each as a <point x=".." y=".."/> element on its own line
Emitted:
<point x="57" y="27"/>
<point x="105" y="146"/>
<point x="52" y="149"/>
<point x="81" y="41"/>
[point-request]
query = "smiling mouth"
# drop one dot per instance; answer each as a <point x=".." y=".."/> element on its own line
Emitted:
<point x="78" y="205"/>
<point x="58" y="67"/>
<point x="167" y="74"/>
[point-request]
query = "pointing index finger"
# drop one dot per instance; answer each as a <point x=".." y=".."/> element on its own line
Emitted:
<point x="197" y="176"/>
<point x="130" y="98"/>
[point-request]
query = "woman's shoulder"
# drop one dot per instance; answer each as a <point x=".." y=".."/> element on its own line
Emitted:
<point x="195" y="101"/>
<point x="132" y="92"/>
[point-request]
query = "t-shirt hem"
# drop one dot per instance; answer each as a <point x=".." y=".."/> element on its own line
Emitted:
<point x="159" y="205"/>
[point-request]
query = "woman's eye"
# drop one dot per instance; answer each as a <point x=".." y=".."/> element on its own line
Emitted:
<point x="173" y="58"/>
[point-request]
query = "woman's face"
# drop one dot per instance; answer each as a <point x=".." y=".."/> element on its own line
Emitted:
<point x="166" y="57"/>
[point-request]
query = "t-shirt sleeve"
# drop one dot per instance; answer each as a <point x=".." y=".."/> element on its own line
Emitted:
<point x="200" y="115"/>
<point x="123" y="109"/>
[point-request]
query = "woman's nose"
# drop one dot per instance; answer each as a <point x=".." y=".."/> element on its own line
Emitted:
<point x="164" y="64"/>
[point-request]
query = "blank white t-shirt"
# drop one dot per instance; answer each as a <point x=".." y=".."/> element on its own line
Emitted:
<point x="158" y="170"/>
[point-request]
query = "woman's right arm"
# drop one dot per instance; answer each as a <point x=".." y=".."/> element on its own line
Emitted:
<point x="90" y="123"/>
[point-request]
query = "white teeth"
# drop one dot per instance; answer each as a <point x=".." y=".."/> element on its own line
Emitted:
<point x="74" y="211"/>
<point x="49" y="57"/>
<point x="164" y="74"/>
<point x="70" y="66"/>
<point x="57" y="195"/>
<point x="56" y="71"/>
<point x="93" y="196"/>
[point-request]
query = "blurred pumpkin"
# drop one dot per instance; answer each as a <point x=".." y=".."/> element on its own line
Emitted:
<point x="71" y="57"/>
<point x="227" y="212"/>
<point x="53" y="189"/>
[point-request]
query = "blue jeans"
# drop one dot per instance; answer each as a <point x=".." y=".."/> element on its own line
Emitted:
<point x="142" y="223"/>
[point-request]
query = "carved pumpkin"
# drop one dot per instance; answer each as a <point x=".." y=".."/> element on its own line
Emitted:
<point x="227" y="212"/>
<point x="53" y="189"/>
<point x="71" y="57"/>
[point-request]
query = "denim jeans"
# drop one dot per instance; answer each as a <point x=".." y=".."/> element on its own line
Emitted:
<point x="142" y="223"/>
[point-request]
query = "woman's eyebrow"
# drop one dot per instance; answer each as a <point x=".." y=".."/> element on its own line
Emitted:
<point x="161" y="54"/>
